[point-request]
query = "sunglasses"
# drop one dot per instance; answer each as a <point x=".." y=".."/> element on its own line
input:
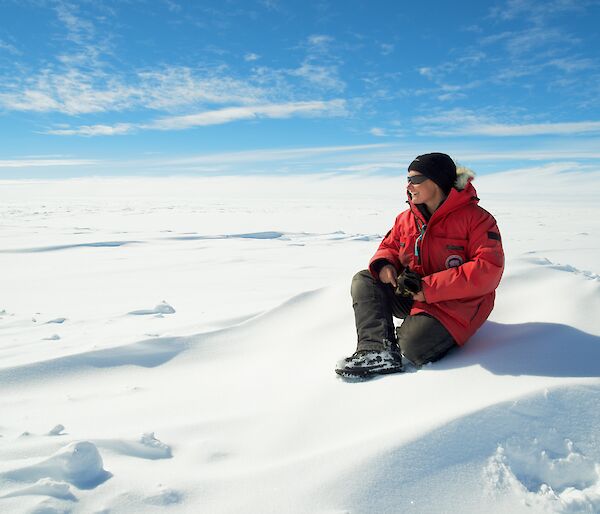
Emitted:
<point x="416" y="179"/>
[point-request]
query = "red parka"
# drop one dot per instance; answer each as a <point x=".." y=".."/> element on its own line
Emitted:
<point x="458" y="252"/>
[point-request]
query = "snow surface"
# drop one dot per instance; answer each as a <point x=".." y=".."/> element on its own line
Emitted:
<point x="169" y="344"/>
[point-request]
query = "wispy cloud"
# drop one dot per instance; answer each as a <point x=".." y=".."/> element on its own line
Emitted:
<point x="535" y="10"/>
<point x="79" y="30"/>
<point x="95" y="130"/>
<point x="11" y="49"/>
<point x="463" y="123"/>
<point x="378" y="132"/>
<point x="272" y="5"/>
<point x="229" y="114"/>
<point x="173" y="6"/>
<point x="323" y="76"/>
<point x="82" y="81"/>
<point x="36" y="163"/>
<point x="81" y="92"/>
<point x="273" y="154"/>
<point x="372" y="167"/>
<point x="214" y="117"/>
<point x="319" y="42"/>
<point x="514" y="53"/>
<point x="531" y="129"/>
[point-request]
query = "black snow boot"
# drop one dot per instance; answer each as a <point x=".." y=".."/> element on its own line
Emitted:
<point x="366" y="363"/>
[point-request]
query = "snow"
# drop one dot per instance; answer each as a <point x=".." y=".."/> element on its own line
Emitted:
<point x="180" y="336"/>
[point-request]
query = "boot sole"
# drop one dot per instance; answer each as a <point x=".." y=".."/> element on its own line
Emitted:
<point x="367" y="372"/>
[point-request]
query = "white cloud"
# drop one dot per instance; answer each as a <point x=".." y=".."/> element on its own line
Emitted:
<point x="372" y="166"/>
<point x="535" y="10"/>
<point x="570" y="65"/>
<point x="534" y="38"/>
<point x="319" y="41"/>
<point x="79" y="31"/>
<point x="9" y="48"/>
<point x="462" y="123"/>
<point x="27" y="163"/>
<point x="95" y="130"/>
<point x="378" y="132"/>
<point x="535" y="129"/>
<point x="173" y="6"/>
<point x="229" y="114"/>
<point x="269" y="155"/>
<point x="76" y="92"/>
<point x="323" y="76"/>
<point x="73" y="92"/>
<point x="453" y="117"/>
<point x="446" y="97"/>
<point x="178" y="86"/>
<point x="473" y="28"/>
<point x="83" y="80"/>
<point x="272" y="5"/>
<point x="214" y="117"/>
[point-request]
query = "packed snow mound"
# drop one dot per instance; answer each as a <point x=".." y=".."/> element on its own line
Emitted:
<point x="57" y="430"/>
<point x="46" y="487"/>
<point x="78" y="463"/>
<point x="161" y="308"/>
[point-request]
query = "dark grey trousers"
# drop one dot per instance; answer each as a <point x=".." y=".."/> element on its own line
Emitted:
<point x="421" y="338"/>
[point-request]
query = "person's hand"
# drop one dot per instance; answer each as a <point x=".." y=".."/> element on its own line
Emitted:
<point x="418" y="297"/>
<point x="409" y="283"/>
<point x="388" y="274"/>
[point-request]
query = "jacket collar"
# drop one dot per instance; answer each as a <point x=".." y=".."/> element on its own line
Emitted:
<point x="453" y="201"/>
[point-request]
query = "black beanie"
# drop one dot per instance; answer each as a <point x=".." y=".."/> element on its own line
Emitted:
<point x="439" y="167"/>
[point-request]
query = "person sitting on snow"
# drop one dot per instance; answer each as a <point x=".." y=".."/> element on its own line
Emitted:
<point x="437" y="268"/>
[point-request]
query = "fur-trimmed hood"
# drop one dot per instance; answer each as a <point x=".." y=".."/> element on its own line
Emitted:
<point x="463" y="176"/>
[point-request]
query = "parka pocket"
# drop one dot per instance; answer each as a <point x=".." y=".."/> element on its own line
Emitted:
<point x="448" y="253"/>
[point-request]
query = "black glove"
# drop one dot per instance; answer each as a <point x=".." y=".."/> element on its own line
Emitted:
<point x="409" y="283"/>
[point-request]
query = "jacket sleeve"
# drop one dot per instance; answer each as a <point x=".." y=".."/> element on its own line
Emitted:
<point x="388" y="250"/>
<point x="478" y="276"/>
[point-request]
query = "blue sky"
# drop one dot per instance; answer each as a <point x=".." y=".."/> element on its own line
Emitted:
<point x="163" y="87"/>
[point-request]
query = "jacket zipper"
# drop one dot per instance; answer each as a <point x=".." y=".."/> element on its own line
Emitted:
<point x="419" y="240"/>
<point x="422" y="227"/>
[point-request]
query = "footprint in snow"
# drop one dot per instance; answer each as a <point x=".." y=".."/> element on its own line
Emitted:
<point x="165" y="497"/>
<point x="146" y="447"/>
<point x="547" y="472"/>
<point x="53" y="337"/>
<point x="161" y="308"/>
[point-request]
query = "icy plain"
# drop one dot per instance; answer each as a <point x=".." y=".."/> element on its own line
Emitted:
<point x="168" y="345"/>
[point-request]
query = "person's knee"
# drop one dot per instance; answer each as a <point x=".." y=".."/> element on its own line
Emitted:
<point x="414" y="352"/>
<point x="362" y="283"/>
<point x="423" y="339"/>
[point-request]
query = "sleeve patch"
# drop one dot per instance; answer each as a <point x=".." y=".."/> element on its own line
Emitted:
<point x="494" y="235"/>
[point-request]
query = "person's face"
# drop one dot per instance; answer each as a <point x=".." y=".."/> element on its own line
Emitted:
<point x="425" y="192"/>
